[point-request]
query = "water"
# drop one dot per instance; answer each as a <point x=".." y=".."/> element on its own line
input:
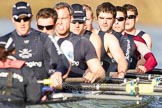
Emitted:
<point x="156" y="35"/>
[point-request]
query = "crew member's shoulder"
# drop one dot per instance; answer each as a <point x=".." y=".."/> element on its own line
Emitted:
<point x="95" y="31"/>
<point x="5" y="37"/>
<point x="139" y="39"/>
<point x="38" y="33"/>
<point x="109" y="36"/>
<point x="41" y="35"/>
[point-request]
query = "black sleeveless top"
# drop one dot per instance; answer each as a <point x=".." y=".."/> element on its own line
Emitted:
<point x="126" y="44"/>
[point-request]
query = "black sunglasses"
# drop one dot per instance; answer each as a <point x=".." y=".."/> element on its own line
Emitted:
<point x="120" y="18"/>
<point x="79" y="21"/>
<point x="48" y="27"/>
<point x="131" y="16"/>
<point x="25" y="19"/>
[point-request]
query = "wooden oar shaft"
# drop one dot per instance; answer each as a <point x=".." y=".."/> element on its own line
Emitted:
<point x="154" y="71"/>
<point x="77" y="80"/>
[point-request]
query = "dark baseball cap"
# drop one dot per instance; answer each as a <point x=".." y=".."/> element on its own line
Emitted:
<point x="21" y="8"/>
<point x="79" y="13"/>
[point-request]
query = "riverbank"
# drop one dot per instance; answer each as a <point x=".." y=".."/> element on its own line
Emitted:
<point x="149" y="10"/>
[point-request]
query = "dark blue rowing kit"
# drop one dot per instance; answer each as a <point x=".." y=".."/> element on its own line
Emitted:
<point x="37" y="50"/>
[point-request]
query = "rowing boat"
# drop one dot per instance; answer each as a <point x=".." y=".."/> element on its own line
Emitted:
<point x="111" y="94"/>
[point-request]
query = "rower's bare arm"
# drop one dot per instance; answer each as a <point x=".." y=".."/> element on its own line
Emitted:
<point x="112" y="45"/>
<point x="148" y="40"/>
<point x="96" y="69"/>
<point x="142" y="48"/>
<point x="96" y="41"/>
<point x="148" y="55"/>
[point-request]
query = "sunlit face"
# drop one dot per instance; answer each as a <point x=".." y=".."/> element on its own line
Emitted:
<point x="130" y="22"/>
<point x="46" y="25"/>
<point x="77" y="27"/>
<point x="22" y="25"/>
<point x="119" y="24"/>
<point x="63" y="22"/>
<point x="89" y="20"/>
<point x="105" y="21"/>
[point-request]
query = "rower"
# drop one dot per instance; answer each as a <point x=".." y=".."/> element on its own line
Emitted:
<point x="78" y="24"/>
<point x="82" y="54"/>
<point x="137" y="44"/>
<point x="33" y="46"/>
<point x="18" y="84"/>
<point x="130" y="28"/>
<point x="112" y="56"/>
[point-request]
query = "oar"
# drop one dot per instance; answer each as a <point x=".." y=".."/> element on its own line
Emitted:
<point x="121" y="81"/>
<point x="81" y="80"/>
<point x="141" y="76"/>
<point x="154" y="71"/>
<point x="125" y="93"/>
<point x="106" y="80"/>
<point x="130" y="88"/>
<point x="91" y="96"/>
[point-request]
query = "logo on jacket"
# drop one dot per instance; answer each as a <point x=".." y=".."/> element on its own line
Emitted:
<point x="25" y="53"/>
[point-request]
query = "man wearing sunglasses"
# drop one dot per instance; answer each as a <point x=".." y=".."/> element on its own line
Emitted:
<point x="130" y="25"/>
<point x="138" y="62"/>
<point x="137" y="45"/>
<point x="112" y="56"/>
<point x="119" y="26"/>
<point x="46" y="19"/>
<point x="78" y="26"/>
<point x="32" y="46"/>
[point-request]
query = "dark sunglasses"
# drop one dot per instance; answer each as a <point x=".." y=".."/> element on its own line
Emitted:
<point x="48" y="27"/>
<point x="120" y="18"/>
<point x="131" y="16"/>
<point x="79" y="21"/>
<point x="25" y="19"/>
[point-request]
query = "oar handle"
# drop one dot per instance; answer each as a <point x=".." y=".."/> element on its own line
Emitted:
<point x="77" y="80"/>
<point x="128" y="71"/>
<point x="131" y="71"/>
<point x="69" y="80"/>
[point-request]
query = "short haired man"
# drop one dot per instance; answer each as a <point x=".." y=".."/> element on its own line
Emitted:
<point x="81" y="46"/>
<point x="130" y="27"/>
<point x="89" y="18"/>
<point x="32" y="46"/>
<point x="137" y="45"/>
<point x="46" y="19"/>
<point x="111" y="52"/>
<point x="78" y="24"/>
